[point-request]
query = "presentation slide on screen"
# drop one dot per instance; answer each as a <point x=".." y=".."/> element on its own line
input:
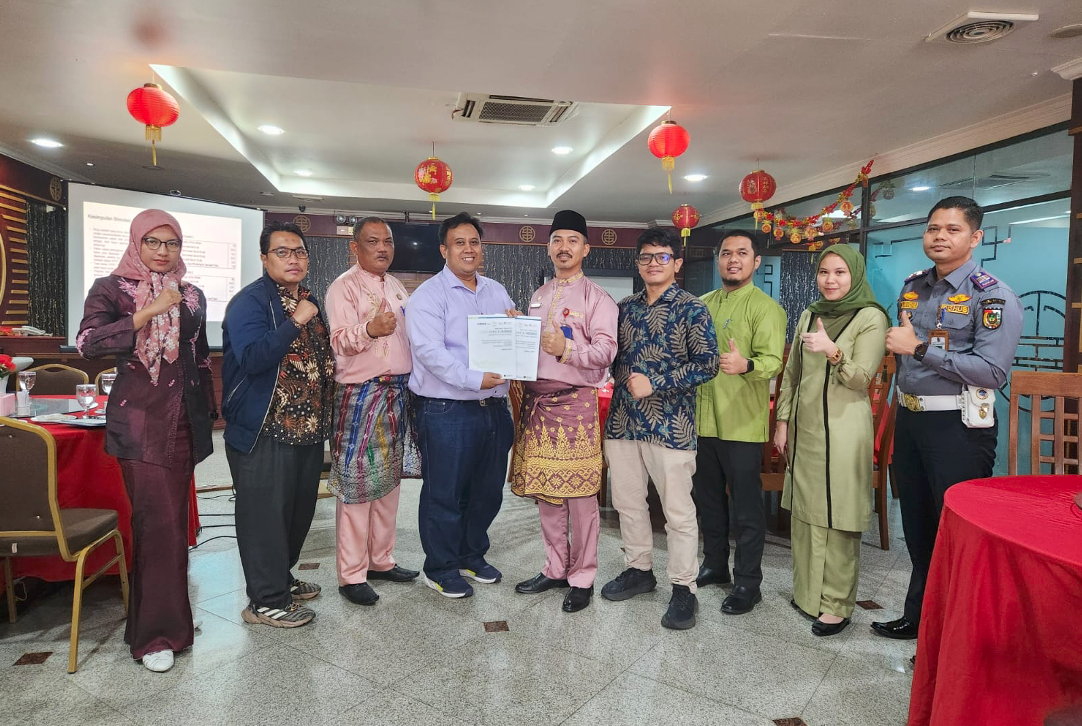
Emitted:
<point x="220" y="250"/>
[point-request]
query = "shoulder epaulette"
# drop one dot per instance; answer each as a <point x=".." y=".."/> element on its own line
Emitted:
<point x="982" y="280"/>
<point x="918" y="274"/>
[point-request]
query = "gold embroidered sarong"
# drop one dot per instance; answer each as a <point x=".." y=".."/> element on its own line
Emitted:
<point x="557" y="450"/>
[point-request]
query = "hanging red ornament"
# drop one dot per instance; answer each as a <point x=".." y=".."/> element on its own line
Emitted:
<point x="154" y="108"/>
<point x="766" y="227"/>
<point x="811" y="232"/>
<point x="685" y="217"/>
<point x="433" y="176"/>
<point x="778" y="233"/>
<point x="757" y="187"/>
<point x="827" y="225"/>
<point x="847" y="206"/>
<point x="666" y="142"/>
<point x="794" y="237"/>
<point x="816" y="246"/>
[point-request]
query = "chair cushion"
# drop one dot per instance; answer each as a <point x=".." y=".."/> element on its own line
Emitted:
<point x="81" y="526"/>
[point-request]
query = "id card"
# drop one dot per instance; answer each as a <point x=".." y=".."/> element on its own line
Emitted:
<point x="939" y="338"/>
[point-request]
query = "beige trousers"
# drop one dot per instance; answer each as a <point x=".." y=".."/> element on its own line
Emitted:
<point x="630" y="462"/>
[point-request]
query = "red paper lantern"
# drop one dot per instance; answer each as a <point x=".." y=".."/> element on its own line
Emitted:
<point x="434" y="177"/>
<point x="666" y="142"/>
<point x="685" y="217"/>
<point x="757" y="187"/>
<point x="154" y="108"/>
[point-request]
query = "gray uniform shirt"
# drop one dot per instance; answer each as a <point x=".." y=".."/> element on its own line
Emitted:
<point x="983" y="318"/>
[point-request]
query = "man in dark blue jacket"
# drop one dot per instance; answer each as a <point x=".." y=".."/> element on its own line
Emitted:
<point x="277" y="391"/>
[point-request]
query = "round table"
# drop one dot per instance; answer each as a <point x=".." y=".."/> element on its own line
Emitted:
<point x="86" y="476"/>
<point x="1000" y="638"/>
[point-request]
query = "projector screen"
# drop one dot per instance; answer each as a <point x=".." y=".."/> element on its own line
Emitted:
<point x="221" y="245"/>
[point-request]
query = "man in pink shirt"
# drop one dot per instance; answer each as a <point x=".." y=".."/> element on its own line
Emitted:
<point x="557" y="452"/>
<point x="373" y="445"/>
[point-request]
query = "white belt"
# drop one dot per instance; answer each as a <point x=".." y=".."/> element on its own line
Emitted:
<point x="931" y="403"/>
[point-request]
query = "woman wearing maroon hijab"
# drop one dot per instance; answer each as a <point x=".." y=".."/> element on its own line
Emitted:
<point x="158" y="422"/>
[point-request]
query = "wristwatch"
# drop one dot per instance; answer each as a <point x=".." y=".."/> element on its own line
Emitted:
<point x="751" y="366"/>
<point x="918" y="353"/>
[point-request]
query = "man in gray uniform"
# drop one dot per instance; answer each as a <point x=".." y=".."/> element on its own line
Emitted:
<point x="957" y="334"/>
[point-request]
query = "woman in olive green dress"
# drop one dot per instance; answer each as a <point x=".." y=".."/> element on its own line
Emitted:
<point x="825" y="432"/>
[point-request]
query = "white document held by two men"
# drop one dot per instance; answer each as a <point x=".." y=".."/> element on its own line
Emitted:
<point x="503" y="345"/>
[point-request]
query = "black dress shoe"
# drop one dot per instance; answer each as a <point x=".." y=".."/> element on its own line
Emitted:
<point x="801" y="610"/>
<point x="395" y="574"/>
<point x="741" y="600"/>
<point x="539" y="583"/>
<point x="360" y="593"/>
<point x="900" y="629"/>
<point x="710" y="576"/>
<point x="824" y="629"/>
<point x="577" y="599"/>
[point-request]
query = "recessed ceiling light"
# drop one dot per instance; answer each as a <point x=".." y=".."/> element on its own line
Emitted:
<point x="90" y="163"/>
<point x="303" y="172"/>
<point x="561" y="150"/>
<point x="526" y="187"/>
<point x="46" y="143"/>
<point x="919" y="189"/>
<point x="695" y="177"/>
<point x="271" y="130"/>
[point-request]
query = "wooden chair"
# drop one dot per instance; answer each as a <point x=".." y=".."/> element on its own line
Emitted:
<point x="97" y="380"/>
<point x="55" y="379"/>
<point x="1064" y="436"/>
<point x="33" y="524"/>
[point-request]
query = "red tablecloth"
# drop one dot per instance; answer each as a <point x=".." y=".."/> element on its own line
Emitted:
<point x="88" y="477"/>
<point x="1000" y="636"/>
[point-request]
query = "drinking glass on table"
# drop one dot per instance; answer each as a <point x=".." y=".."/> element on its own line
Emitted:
<point x="85" y="393"/>
<point x="107" y="380"/>
<point x="27" y="379"/>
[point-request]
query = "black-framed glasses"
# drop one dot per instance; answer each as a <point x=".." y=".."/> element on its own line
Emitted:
<point x="284" y="253"/>
<point x="663" y="258"/>
<point x="154" y="243"/>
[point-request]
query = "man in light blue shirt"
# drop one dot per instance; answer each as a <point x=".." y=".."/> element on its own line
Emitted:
<point x="464" y="427"/>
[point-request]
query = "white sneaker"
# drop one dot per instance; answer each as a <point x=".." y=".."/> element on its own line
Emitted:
<point x="197" y="624"/>
<point x="158" y="662"/>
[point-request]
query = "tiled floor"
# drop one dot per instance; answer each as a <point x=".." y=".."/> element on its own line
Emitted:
<point x="418" y="658"/>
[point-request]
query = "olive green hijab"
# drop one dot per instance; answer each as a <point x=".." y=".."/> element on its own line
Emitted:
<point x="836" y="314"/>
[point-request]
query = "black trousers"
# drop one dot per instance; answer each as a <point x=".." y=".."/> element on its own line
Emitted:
<point x="276" y="489"/>
<point x="933" y="450"/>
<point x="736" y="464"/>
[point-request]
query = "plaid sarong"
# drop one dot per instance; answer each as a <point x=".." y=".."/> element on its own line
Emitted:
<point x="557" y="450"/>
<point x="374" y="445"/>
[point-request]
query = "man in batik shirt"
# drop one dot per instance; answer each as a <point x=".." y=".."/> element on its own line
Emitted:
<point x="373" y="445"/>
<point x="557" y="453"/>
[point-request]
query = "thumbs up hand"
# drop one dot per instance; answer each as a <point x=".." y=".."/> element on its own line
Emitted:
<point x="819" y="341"/>
<point x="903" y="338"/>
<point x="384" y="322"/>
<point x="732" y="363"/>
<point x="553" y="341"/>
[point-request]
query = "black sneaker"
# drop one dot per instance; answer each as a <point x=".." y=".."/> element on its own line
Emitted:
<point x="628" y="584"/>
<point x="682" y="608"/>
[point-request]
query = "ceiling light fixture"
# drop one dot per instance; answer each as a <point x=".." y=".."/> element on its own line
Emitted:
<point x="919" y="189"/>
<point x="526" y="187"/>
<point x="695" y="177"/>
<point x="562" y="150"/>
<point x="90" y="163"/>
<point x="46" y="143"/>
<point x="303" y="172"/>
<point x="271" y="130"/>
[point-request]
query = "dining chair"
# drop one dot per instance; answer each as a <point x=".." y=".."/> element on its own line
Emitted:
<point x="56" y="379"/>
<point x="884" y="408"/>
<point x="32" y="524"/>
<point x="97" y="380"/>
<point x="1065" y="390"/>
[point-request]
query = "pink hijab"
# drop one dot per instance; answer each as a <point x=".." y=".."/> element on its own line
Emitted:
<point x="159" y="338"/>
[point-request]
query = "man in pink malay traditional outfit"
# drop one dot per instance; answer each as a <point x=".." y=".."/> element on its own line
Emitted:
<point x="373" y="444"/>
<point x="557" y="453"/>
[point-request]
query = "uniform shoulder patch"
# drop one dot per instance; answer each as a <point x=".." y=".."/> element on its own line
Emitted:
<point x="982" y="280"/>
<point x="918" y="274"/>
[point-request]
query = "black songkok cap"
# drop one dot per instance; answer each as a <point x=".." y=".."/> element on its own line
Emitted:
<point x="569" y="219"/>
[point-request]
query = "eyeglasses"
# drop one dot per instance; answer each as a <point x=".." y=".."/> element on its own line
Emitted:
<point x="663" y="258"/>
<point x="154" y="243"/>
<point x="284" y="253"/>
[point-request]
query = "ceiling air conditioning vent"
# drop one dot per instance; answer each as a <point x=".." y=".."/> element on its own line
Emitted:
<point x="515" y="110"/>
<point x="979" y="27"/>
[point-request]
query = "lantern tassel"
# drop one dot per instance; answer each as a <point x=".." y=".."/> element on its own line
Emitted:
<point x="433" y="197"/>
<point x="153" y="154"/>
<point x="685" y="232"/>
<point x="668" y="163"/>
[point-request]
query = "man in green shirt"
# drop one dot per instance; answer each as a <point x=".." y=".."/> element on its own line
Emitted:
<point x="732" y="418"/>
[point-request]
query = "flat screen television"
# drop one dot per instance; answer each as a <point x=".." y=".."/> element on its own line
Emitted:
<point x="416" y="247"/>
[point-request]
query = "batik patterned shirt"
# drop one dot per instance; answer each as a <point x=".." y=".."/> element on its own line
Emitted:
<point x="672" y="342"/>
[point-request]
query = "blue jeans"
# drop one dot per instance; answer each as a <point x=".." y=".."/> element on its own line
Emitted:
<point x="464" y="448"/>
